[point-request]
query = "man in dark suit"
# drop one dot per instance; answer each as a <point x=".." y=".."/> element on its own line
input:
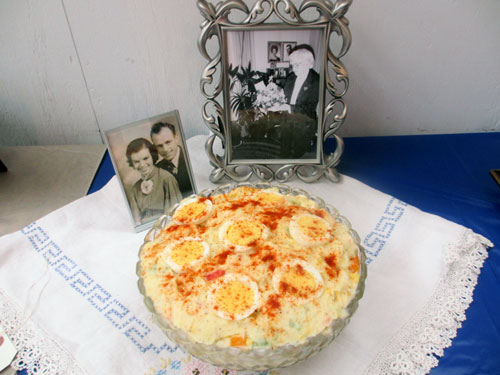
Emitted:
<point x="163" y="135"/>
<point x="301" y="89"/>
<point x="302" y="84"/>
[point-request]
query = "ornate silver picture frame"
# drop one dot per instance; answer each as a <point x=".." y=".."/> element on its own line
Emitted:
<point x="273" y="116"/>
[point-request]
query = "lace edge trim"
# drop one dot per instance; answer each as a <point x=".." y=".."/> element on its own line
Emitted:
<point x="38" y="352"/>
<point x="415" y="348"/>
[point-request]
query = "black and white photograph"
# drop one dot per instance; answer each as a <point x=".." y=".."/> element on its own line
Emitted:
<point x="274" y="52"/>
<point x="150" y="158"/>
<point x="274" y="104"/>
<point x="287" y="48"/>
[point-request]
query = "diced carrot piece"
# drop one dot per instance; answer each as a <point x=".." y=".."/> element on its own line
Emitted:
<point x="354" y="265"/>
<point x="238" y="341"/>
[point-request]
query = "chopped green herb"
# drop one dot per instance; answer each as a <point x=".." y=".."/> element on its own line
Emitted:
<point x="260" y="343"/>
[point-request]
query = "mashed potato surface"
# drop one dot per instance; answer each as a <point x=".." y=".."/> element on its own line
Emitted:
<point x="255" y="268"/>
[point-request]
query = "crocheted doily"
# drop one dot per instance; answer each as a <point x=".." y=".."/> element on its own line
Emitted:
<point x="415" y="348"/>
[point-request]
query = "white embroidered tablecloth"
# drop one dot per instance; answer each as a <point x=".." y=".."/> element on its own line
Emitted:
<point x="69" y="299"/>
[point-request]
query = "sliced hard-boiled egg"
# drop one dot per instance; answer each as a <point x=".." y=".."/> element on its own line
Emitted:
<point x="243" y="234"/>
<point x="193" y="211"/>
<point x="186" y="253"/>
<point x="298" y="282"/>
<point x="269" y="197"/>
<point x="234" y="296"/>
<point x="310" y="230"/>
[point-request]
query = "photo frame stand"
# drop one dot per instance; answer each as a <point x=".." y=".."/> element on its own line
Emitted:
<point x="333" y="109"/>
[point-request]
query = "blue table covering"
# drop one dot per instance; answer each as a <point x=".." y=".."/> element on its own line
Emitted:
<point x="447" y="175"/>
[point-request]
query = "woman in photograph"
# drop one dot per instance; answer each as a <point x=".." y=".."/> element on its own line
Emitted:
<point x="273" y="54"/>
<point x="157" y="190"/>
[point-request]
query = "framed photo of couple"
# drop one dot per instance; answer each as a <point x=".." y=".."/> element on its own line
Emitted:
<point x="151" y="162"/>
<point x="281" y="87"/>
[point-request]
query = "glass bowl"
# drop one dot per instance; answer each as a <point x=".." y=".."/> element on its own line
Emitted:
<point x="256" y="359"/>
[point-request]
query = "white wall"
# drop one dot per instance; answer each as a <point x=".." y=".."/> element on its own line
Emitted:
<point x="69" y="68"/>
<point x="43" y="95"/>
<point x="420" y="67"/>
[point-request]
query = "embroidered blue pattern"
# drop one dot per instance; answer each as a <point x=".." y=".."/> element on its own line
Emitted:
<point x="375" y="241"/>
<point x="135" y="330"/>
<point x="111" y="308"/>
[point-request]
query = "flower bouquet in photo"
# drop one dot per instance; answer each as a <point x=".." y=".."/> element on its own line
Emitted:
<point x="270" y="98"/>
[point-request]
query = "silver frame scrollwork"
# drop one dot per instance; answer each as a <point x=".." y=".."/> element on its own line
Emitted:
<point x="331" y="14"/>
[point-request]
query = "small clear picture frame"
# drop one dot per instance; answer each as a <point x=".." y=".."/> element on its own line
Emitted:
<point x="152" y="164"/>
